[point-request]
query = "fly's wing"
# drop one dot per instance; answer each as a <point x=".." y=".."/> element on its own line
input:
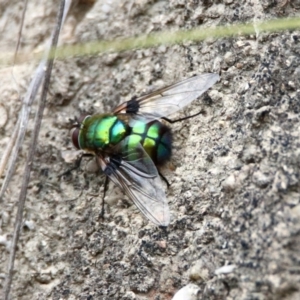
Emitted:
<point x="170" y="99"/>
<point x="134" y="172"/>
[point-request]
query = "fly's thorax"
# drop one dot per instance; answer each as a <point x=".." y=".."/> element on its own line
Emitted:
<point x="155" y="137"/>
<point x="99" y="131"/>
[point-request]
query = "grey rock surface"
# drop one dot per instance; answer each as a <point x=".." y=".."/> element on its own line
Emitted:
<point x="235" y="190"/>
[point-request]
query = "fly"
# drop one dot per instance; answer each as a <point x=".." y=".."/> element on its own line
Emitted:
<point x="131" y="141"/>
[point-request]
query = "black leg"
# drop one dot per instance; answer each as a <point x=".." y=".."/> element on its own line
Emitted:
<point x="77" y="164"/>
<point x="104" y="192"/>
<point x="182" y="119"/>
<point x="164" y="179"/>
<point x="164" y="229"/>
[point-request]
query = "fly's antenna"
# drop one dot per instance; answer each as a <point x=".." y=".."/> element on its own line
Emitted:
<point x="74" y="123"/>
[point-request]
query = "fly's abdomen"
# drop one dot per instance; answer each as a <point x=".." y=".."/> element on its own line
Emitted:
<point x="100" y="131"/>
<point x="155" y="137"/>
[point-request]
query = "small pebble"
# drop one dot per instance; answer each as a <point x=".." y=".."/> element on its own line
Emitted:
<point x="189" y="292"/>
<point x="225" y="269"/>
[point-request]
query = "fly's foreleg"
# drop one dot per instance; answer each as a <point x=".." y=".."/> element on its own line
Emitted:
<point x="182" y="119"/>
<point x="76" y="165"/>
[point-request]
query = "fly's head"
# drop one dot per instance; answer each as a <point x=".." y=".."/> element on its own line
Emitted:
<point x="76" y="127"/>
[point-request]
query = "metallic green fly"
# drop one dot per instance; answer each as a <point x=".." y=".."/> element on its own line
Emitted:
<point x="131" y="141"/>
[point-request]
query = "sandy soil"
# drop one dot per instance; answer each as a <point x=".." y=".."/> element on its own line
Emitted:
<point x="234" y="175"/>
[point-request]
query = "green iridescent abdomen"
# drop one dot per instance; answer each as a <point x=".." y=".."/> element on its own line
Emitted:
<point x="155" y="137"/>
<point x="100" y="131"/>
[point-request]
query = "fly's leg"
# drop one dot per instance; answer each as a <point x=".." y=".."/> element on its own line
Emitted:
<point x="172" y="122"/>
<point x="182" y="119"/>
<point x="104" y="193"/>
<point x="164" y="179"/>
<point x="77" y="164"/>
<point x="164" y="230"/>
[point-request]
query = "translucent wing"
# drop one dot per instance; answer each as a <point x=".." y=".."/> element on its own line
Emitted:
<point x="170" y="99"/>
<point x="134" y="172"/>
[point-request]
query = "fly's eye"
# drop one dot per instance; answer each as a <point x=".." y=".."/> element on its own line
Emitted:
<point x="76" y="127"/>
<point x="75" y="136"/>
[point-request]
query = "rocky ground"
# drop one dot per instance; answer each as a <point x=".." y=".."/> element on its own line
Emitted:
<point x="235" y="189"/>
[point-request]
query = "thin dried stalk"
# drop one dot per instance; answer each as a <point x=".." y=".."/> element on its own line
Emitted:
<point x="12" y="141"/>
<point x="31" y="152"/>
<point x="21" y="126"/>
